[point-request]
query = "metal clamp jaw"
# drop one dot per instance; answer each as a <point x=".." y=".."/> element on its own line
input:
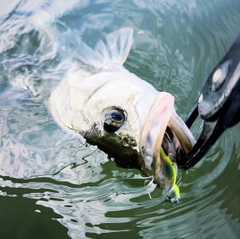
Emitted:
<point x="218" y="105"/>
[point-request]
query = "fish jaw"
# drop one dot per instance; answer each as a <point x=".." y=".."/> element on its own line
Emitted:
<point x="152" y="136"/>
<point x="156" y="162"/>
<point x="184" y="137"/>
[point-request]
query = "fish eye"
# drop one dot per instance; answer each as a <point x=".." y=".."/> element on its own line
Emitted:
<point x="113" y="119"/>
<point x="117" y="116"/>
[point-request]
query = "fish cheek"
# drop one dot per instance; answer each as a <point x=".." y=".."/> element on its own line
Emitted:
<point x="120" y="147"/>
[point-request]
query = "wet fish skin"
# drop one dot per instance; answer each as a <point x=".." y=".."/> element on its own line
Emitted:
<point x="114" y="109"/>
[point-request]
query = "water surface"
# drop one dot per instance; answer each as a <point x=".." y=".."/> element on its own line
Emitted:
<point x="53" y="185"/>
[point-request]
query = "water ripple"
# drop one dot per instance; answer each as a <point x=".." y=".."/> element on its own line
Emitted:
<point x="176" y="45"/>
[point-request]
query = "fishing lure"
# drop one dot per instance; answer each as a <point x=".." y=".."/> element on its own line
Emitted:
<point x="171" y="175"/>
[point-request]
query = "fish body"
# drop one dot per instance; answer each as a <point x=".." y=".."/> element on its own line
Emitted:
<point x="123" y="115"/>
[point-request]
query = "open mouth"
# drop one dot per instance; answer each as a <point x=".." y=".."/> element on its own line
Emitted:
<point x="163" y="128"/>
<point x="177" y="135"/>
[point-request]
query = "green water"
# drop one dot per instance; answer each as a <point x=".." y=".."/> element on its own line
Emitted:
<point x="52" y="185"/>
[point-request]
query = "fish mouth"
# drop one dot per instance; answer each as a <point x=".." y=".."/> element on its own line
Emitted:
<point x="163" y="128"/>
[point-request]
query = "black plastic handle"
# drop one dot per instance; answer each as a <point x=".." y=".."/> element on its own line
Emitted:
<point x="218" y="105"/>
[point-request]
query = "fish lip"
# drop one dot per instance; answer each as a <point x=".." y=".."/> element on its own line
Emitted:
<point x="153" y="131"/>
<point x="161" y="120"/>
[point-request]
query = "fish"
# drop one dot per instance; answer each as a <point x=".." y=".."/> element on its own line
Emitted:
<point x="103" y="103"/>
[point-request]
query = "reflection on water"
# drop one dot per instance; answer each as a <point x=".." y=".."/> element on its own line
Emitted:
<point x="54" y="186"/>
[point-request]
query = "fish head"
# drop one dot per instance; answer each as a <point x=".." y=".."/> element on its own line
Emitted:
<point x="125" y="117"/>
